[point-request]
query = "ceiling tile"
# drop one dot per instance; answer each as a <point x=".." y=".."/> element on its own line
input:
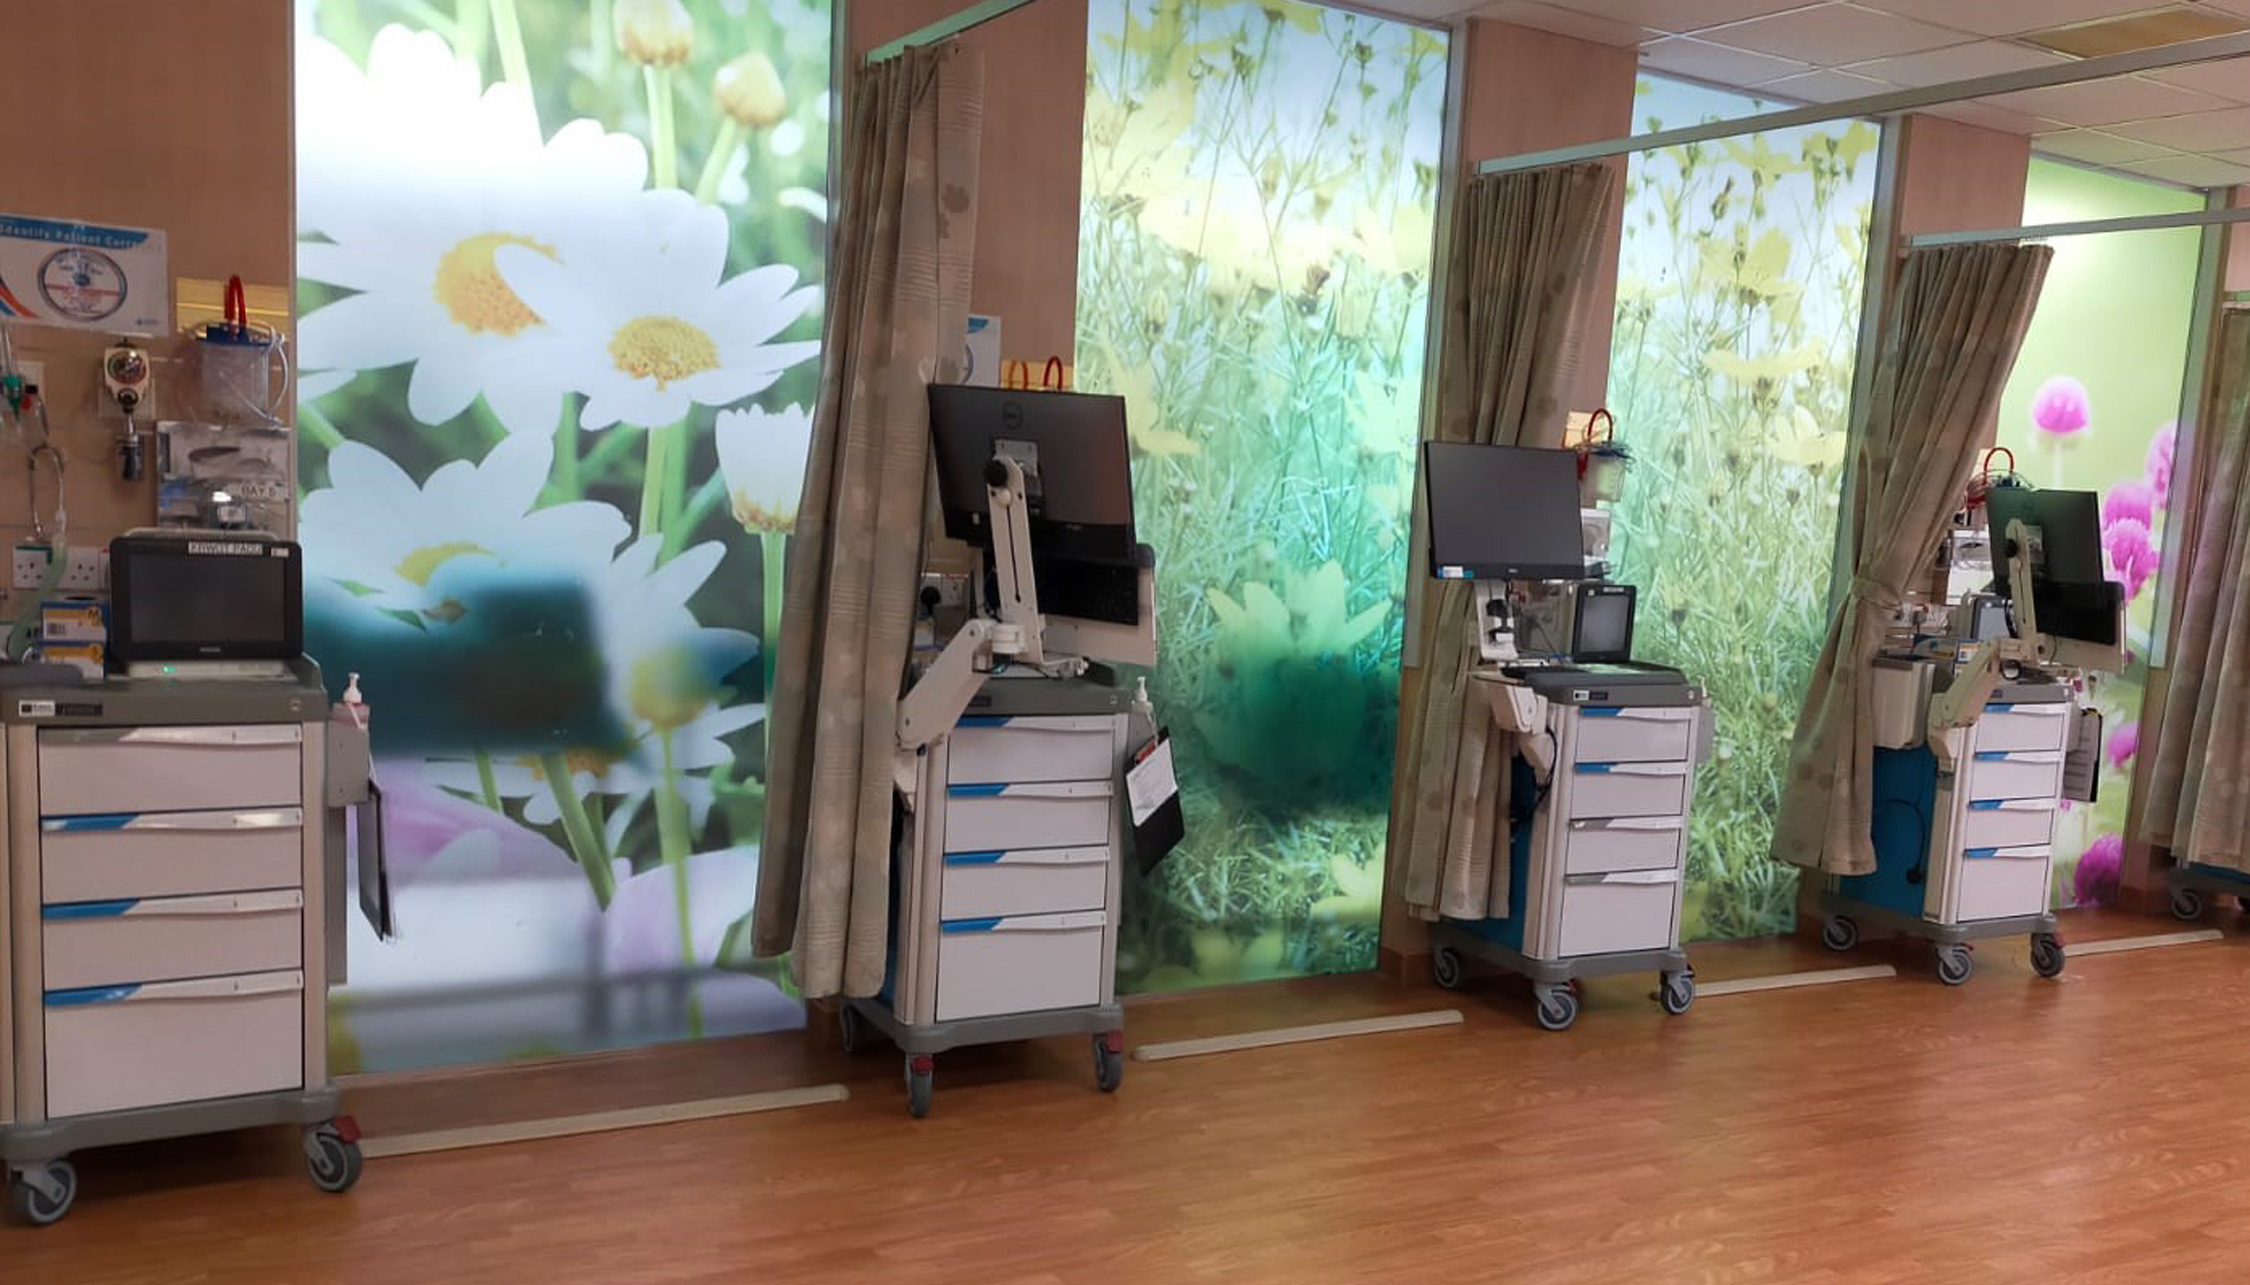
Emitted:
<point x="2229" y="79"/>
<point x="1826" y="85"/>
<point x="2195" y="171"/>
<point x="2095" y="147"/>
<point x="2008" y="17"/>
<point x="1719" y="64"/>
<point x="1958" y="62"/>
<point x="1990" y="117"/>
<point x="2241" y="7"/>
<point x="1567" y="22"/>
<point x="2218" y="131"/>
<point x="2106" y="102"/>
<point x="1677" y="15"/>
<point x="1832" y="34"/>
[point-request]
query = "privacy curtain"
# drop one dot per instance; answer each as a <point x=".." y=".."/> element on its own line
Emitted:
<point x="1957" y="319"/>
<point x="1522" y="252"/>
<point x="897" y="322"/>
<point x="2198" y="795"/>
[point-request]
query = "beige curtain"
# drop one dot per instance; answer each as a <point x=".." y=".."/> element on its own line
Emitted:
<point x="897" y="321"/>
<point x="1522" y="252"/>
<point x="1958" y="317"/>
<point x="2198" y="794"/>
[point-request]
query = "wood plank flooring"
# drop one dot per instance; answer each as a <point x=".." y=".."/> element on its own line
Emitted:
<point x="2095" y="1129"/>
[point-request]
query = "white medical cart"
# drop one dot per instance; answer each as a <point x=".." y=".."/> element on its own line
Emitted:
<point x="1007" y="878"/>
<point x="1596" y="874"/>
<point x="172" y="889"/>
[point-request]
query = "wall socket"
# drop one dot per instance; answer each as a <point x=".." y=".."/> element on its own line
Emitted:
<point x="85" y="568"/>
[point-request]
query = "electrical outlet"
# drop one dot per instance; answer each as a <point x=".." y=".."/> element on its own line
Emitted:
<point x="85" y="569"/>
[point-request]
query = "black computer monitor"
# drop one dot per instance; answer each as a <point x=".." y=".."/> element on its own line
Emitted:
<point x="1502" y="512"/>
<point x="2071" y="595"/>
<point x="1077" y="466"/>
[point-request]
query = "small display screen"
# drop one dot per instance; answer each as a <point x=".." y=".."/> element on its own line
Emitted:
<point x="177" y="602"/>
<point x="1605" y="627"/>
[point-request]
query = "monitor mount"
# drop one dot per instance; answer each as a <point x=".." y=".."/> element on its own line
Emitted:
<point x="1016" y="637"/>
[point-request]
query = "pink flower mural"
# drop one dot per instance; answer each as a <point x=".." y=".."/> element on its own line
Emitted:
<point x="2061" y="407"/>
<point x="2160" y="451"/>
<point x="2094" y="883"/>
<point x="2132" y="556"/>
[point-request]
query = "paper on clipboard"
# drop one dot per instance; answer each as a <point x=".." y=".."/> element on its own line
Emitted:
<point x="1151" y="783"/>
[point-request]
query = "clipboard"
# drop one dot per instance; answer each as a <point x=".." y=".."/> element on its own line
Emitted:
<point x="1152" y="795"/>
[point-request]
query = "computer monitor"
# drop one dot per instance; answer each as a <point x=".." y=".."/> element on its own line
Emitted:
<point x="1076" y="462"/>
<point x="2072" y="597"/>
<point x="1502" y="512"/>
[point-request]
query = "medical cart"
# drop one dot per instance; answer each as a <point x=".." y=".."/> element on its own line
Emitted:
<point x="1008" y="873"/>
<point x="1966" y="853"/>
<point x="2192" y="882"/>
<point x="1598" y="848"/>
<point x="172" y="885"/>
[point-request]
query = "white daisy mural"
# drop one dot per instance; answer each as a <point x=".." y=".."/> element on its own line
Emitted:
<point x="560" y="286"/>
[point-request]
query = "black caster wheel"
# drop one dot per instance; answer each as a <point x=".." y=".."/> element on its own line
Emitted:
<point x="2046" y="954"/>
<point x="1446" y="967"/>
<point x="332" y="1156"/>
<point x="1109" y="1061"/>
<point x="1556" y="1007"/>
<point x="1954" y="964"/>
<point x="2187" y="904"/>
<point x="921" y="1076"/>
<point x="1678" y="992"/>
<point x="1839" y="933"/>
<point x="853" y="1029"/>
<point x="41" y="1199"/>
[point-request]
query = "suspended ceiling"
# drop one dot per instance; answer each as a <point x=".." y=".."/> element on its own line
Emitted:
<point x="2186" y="125"/>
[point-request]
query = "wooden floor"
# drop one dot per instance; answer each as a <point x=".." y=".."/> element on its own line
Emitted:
<point x="2014" y="1130"/>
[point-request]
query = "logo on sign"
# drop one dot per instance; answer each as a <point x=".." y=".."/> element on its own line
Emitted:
<point x="225" y="549"/>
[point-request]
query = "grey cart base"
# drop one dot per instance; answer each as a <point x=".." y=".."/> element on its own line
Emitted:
<point x="1842" y="917"/>
<point x="2194" y="886"/>
<point x="43" y="1184"/>
<point x="1553" y="993"/>
<point x="922" y="1043"/>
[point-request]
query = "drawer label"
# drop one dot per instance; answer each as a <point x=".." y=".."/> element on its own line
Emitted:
<point x="35" y="709"/>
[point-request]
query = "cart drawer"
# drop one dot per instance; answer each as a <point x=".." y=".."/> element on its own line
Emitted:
<point x="2008" y="823"/>
<point x="169" y="854"/>
<point x="2004" y="883"/>
<point x="2015" y="774"/>
<point x="1634" y="734"/>
<point x="994" y="818"/>
<point x="1602" y="914"/>
<point x="983" y="750"/>
<point x="156" y="769"/>
<point x="1019" y="964"/>
<point x="1625" y="843"/>
<point x="113" y="1048"/>
<point x="1027" y="881"/>
<point x="2023" y="727"/>
<point x="107" y="943"/>
<point x="1628" y="789"/>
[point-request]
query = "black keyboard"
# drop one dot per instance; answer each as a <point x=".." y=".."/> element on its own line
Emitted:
<point x="1105" y="591"/>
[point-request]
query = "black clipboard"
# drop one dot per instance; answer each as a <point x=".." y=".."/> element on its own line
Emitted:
<point x="1152" y="801"/>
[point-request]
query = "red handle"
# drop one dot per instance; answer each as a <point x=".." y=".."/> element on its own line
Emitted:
<point x="237" y="308"/>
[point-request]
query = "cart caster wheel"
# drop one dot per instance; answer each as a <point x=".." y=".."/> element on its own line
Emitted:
<point x="2187" y="904"/>
<point x="1839" y="933"/>
<point x="2046" y="954"/>
<point x="1954" y="964"/>
<point x="1557" y="1007"/>
<point x="1109" y="1060"/>
<point x="35" y="1207"/>
<point x="853" y="1028"/>
<point x="1446" y="966"/>
<point x="1678" y="993"/>
<point x="333" y="1158"/>
<point x="921" y="1075"/>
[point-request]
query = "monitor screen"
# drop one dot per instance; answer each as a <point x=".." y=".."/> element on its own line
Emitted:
<point x="1502" y="512"/>
<point x="181" y="599"/>
<point x="1076" y="461"/>
<point x="1605" y="623"/>
<point x="2074" y="599"/>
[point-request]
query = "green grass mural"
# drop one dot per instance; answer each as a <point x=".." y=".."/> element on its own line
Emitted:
<point x="1730" y="375"/>
<point x="1259" y="193"/>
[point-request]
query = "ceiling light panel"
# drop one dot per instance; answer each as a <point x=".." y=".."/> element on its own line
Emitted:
<point x="2152" y="30"/>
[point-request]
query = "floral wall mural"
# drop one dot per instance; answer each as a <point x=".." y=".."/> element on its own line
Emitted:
<point x="1730" y="374"/>
<point x="2091" y="406"/>
<point x="560" y="291"/>
<point x="1259" y="191"/>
